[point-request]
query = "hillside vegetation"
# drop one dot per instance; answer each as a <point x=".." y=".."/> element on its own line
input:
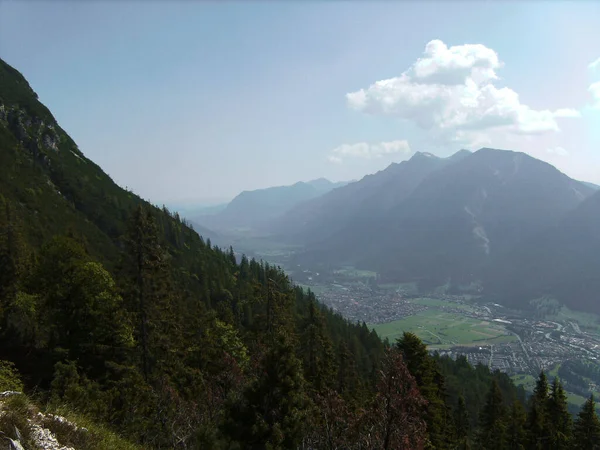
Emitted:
<point x="118" y="313"/>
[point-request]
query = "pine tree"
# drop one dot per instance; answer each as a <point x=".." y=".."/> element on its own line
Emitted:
<point x="559" y="418"/>
<point x="431" y="383"/>
<point x="586" y="430"/>
<point x="151" y="288"/>
<point x="319" y="361"/>
<point x="492" y="423"/>
<point x="12" y="258"/>
<point x="272" y="411"/>
<point x="398" y="408"/>
<point x="462" y="424"/>
<point x="515" y="431"/>
<point x="538" y="433"/>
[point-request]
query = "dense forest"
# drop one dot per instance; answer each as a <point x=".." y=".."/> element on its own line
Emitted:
<point x="118" y="310"/>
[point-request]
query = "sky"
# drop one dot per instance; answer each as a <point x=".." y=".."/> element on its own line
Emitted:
<point x="195" y="101"/>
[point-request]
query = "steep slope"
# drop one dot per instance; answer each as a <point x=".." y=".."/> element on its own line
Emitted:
<point x="464" y="216"/>
<point x="561" y="263"/>
<point x="321" y="220"/>
<point x="120" y="311"/>
<point x="254" y="209"/>
<point x="432" y="221"/>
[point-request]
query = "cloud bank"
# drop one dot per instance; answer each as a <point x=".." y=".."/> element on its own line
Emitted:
<point x="452" y="92"/>
<point x="595" y="91"/>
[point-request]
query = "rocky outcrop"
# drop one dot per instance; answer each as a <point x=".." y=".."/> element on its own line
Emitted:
<point x="39" y="432"/>
<point x="34" y="133"/>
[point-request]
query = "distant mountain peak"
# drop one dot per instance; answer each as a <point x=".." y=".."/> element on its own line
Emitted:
<point x="459" y="155"/>
<point x="421" y="155"/>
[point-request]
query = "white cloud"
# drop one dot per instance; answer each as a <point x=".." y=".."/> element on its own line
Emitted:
<point x="594" y="65"/>
<point x="450" y="92"/>
<point x="558" y="151"/>
<point x="595" y="91"/>
<point x="367" y="151"/>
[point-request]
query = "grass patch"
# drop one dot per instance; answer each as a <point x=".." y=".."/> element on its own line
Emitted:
<point x="349" y="271"/>
<point x="15" y="410"/>
<point x="525" y="380"/>
<point x="439" y="328"/>
<point x="89" y="435"/>
<point x="404" y="288"/>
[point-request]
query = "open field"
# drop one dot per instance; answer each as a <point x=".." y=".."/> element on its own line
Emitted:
<point x="349" y="271"/>
<point x="407" y="288"/>
<point x="439" y="329"/>
<point x="525" y="380"/>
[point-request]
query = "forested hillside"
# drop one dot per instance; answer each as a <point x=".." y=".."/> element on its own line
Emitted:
<point x="119" y="312"/>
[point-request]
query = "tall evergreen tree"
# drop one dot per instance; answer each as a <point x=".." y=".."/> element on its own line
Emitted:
<point x="586" y="430"/>
<point x="12" y="257"/>
<point x="538" y="432"/>
<point x="150" y="288"/>
<point x="462" y="425"/>
<point x="492" y="426"/>
<point x="317" y="351"/>
<point x="431" y="383"/>
<point x="560" y="422"/>
<point x="515" y="430"/>
<point x="397" y="412"/>
<point x="272" y="411"/>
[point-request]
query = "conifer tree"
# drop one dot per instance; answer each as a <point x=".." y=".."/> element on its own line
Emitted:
<point x="151" y="289"/>
<point x="560" y="423"/>
<point x="272" y="411"/>
<point x="347" y="375"/>
<point x="432" y="386"/>
<point x="12" y="257"/>
<point x="492" y="423"/>
<point x="515" y="430"/>
<point x="319" y="361"/>
<point x="538" y="433"/>
<point x="398" y="407"/>
<point x="462" y="425"/>
<point x="586" y="429"/>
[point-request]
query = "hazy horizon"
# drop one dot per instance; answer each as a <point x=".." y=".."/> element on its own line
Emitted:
<point x="196" y="102"/>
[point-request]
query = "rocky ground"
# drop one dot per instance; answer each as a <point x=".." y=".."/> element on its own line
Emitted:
<point x="38" y="434"/>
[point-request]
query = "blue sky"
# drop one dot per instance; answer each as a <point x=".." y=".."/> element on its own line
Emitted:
<point x="196" y="101"/>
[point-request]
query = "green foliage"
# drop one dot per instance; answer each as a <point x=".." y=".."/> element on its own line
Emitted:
<point x="586" y="430"/>
<point x="10" y="380"/>
<point x="538" y="424"/>
<point x="14" y="414"/>
<point x="515" y="431"/>
<point x="121" y="316"/>
<point x="559" y="418"/>
<point x="431" y="383"/>
<point x="492" y="432"/>
<point x="273" y="409"/>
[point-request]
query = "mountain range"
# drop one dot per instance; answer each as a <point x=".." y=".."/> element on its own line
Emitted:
<point x="500" y="219"/>
<point x="252" y="210"/>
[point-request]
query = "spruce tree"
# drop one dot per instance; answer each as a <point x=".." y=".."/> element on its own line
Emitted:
<point x="12" y="258"/>
<point x="515" y="430"/>
<point x="397" y="411"/>
<point x="586" y="430"/>
<point x="431" y="383"/>
<point x="317" y="351"/>
<point x="560" y="423"/>
<point x="272" y="411"/>
<point x="462" y="425"/>
<point x="492" y="422"/>
<point x="151" y="291"/>
<point x="538" y="433"/>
